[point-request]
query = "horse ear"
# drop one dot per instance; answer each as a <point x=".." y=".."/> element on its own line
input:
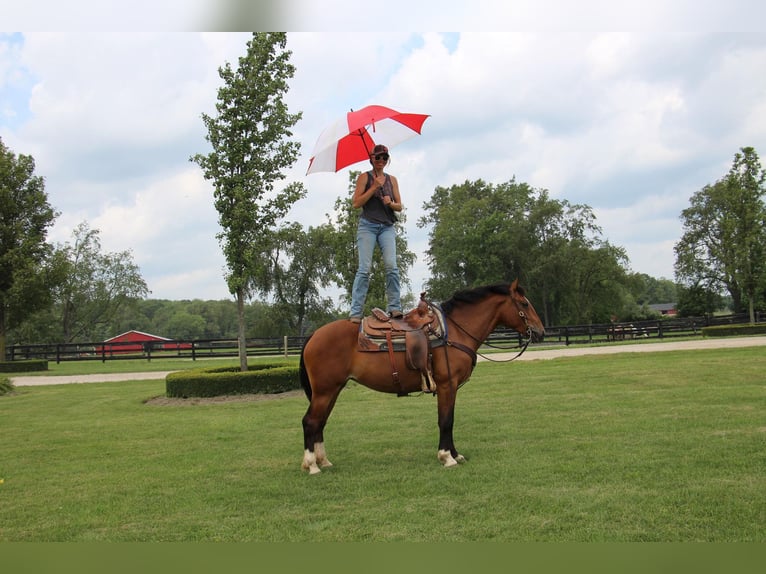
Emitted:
<point x="514" y="285"/>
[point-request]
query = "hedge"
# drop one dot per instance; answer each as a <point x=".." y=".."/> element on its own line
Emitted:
<point x="734" y="330"/>
<point x="213" y="382"/>
<point x="25" y="366"/>
<point x="6" y="386"/>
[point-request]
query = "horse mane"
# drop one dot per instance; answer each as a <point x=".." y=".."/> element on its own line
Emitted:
<point x="469" y="296"/>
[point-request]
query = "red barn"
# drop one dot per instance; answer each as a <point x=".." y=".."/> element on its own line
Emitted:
<point x="139" y="342"/>
<point x="668" y="309"/>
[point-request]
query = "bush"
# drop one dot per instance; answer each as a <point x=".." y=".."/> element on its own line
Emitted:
<point x="734" y="330"/>
<point x="6" y="386"/>
<point x="213" y="382"/>
<point x="23" y="366"/>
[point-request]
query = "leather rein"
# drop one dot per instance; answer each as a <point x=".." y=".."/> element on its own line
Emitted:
<point x="473" y="354"/>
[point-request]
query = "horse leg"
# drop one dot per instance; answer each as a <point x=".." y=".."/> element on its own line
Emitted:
<point x="314" y="421"/>
<point x="319" y="450"/>
<point x="447" y="453"/>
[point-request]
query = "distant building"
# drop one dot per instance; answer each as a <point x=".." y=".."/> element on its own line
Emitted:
<point x="668" y="309"/>
<point x="137" y="342"/>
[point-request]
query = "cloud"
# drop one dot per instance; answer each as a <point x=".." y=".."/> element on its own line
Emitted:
<point x="629" y="121"/>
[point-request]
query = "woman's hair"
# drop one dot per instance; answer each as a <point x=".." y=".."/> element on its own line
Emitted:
<point x="380" y="148"/>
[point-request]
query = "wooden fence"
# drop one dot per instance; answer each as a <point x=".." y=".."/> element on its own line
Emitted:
<point x="291" y="346"/>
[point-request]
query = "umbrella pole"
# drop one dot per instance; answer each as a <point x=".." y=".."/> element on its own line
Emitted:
<point x="364" y="143"/>
<point x="361" y="135"/>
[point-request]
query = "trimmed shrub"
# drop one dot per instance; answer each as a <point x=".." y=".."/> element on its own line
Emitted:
<point x="213" y="382"/>
<point x="6" y="386"/>
<point x="25" y="366"/>
<point x="734" y="330"/>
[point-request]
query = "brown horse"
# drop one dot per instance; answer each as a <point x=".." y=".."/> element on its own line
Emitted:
<point x="330" y="358"/>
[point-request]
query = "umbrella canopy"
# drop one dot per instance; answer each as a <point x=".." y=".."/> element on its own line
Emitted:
<point x="350" y="139"/>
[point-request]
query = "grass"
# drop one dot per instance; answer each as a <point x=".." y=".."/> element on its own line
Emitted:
<point x="631" y="447"/>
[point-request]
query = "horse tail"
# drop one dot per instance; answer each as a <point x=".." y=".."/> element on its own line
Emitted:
<point x="304" y="374"/>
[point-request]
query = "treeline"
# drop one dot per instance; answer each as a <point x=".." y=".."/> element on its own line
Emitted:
<point x="479" y="234"/>
<point x="572" y="274"/>
<point x="212" y="319"/>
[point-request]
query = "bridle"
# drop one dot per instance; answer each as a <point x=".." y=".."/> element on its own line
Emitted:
<point x="479" y="342"/>
<point x="467" y="350"/>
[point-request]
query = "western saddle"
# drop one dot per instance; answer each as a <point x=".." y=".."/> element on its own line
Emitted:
<point x="411" y="333"/>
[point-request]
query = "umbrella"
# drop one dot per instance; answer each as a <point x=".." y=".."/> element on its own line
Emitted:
<point x="350" y="139"/>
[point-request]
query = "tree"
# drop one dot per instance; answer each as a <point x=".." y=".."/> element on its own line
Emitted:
<point x="643" y="291"/>
<point x="695" y="300"/>
<point x="185" y="325"/>
<point x="249" y="136"/>
<point x="724" y="240"/>
<point x="593" y="282"/>
<point x="97" y="288"/>
<point x="483" y="234"/>
<point x="309" y="269"/>
<point x="28" y="269"/>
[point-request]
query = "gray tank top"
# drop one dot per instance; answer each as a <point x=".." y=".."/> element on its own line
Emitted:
<point x="375" y="210"/>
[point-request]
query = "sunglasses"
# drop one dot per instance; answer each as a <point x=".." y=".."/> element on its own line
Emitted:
<point x="380" y="156"/>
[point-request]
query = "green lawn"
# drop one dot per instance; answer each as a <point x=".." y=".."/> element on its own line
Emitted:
<point x="668" y="446"/>
<point x="139" y="365"/>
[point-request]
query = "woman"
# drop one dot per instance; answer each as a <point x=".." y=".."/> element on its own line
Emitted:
<point x="377" y="194"/>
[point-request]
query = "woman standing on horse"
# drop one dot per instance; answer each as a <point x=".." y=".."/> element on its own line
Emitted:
<point x="377" y="194"/>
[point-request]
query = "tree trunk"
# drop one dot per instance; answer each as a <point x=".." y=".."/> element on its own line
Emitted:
<point x="2" y="334"/>
<point x="241" y="336"/>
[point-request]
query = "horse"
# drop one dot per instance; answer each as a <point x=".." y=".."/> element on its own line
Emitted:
<point x="330" y="357"/>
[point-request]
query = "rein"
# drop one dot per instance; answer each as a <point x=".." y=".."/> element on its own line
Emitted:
<point x="477" y="340"/>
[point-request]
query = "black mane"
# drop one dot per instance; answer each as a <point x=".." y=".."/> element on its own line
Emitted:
<point x="468" y="296"/>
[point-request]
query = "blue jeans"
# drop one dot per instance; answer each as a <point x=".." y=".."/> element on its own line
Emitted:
<point x="367" y="235"/>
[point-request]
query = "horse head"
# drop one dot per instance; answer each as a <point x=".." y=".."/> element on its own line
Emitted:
<point x="521" y="315"/>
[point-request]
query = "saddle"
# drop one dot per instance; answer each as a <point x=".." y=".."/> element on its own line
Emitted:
<point x="411" y="334"/>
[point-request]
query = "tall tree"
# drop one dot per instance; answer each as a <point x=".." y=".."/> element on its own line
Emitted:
<point x="97" y="288"/>
<point x="27" y="265"/>
<point x="250" y="149"/>
<point x="724" y="239"/>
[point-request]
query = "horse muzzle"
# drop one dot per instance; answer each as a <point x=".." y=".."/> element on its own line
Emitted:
<point x="536" y="335"/>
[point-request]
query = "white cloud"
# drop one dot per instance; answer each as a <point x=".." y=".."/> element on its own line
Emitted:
<point x="630" y="122"/>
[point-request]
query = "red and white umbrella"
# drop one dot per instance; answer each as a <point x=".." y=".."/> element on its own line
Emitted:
<point x="351" y="139"/>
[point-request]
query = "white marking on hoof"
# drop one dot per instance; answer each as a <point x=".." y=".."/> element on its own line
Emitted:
<point x="460" y="458"/>
<point x="445" y="457"/>
<point x="321" y="455"/>
<point x="310" y="462"/>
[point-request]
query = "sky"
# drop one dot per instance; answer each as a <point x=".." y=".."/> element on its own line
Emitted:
<point x="629" y="108"/>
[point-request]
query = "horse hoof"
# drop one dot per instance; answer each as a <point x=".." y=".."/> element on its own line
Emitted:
<point x="460" y="459"/>
<point x="445" y="457"/>
<point x="311" y="468"/>
<point x="310" y="462"/>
